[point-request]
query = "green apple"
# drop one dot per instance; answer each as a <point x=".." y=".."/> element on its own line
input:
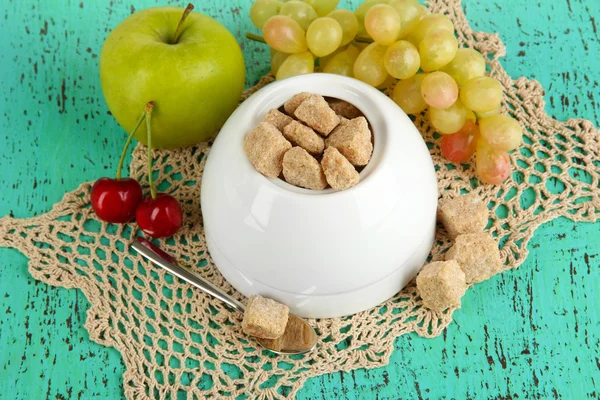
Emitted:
<point x="194" y="74"/>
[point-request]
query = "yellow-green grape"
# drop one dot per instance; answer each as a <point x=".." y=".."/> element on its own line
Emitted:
<point x="466" y="65"/>
<point x="276" y="60"/>
<point x="439" y="90"/>
<point x="501" y="132"/>
<point x="486" y="114"/>
<point x="300" y="12"/>
<point x="382" y="23"/>
<point x="389" y="82"/>
<point x="424" y="12"/>
<point x="410" y="15"/>
<point x="361" y="12"/>
<point x="407" y="94"/>
<point x="402" y="60"/>
<point x="471" y="115"/>
<point x="448" y="120"/>
<point x="429" y="24"/>
<point x="437" y="49"/>
<point x="342" y="63"/>
<point x="324" y="36"/>
<point x="323" y="7"/>
<point x="481" y="94"/>
<point x="296" y="64"/>
<point x="348" y="22"/>
<point x="262" y="10"/>
<point x="369" y="66"/>
<point x="284" y="34"/>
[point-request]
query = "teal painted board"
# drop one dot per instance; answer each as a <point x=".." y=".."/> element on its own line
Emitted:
<point x="531" y="332"/>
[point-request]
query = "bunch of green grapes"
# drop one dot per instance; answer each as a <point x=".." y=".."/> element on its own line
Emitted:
<point x="399" y="44"/>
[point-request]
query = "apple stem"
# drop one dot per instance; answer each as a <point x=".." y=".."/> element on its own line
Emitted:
<point x="127" y="143"/>
<point x="186" y="12"/>
<point x="148" y="114"/>
<point x="255" y="37"/>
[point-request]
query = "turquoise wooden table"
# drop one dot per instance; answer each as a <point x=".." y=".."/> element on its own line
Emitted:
<point x="528" y="333"/>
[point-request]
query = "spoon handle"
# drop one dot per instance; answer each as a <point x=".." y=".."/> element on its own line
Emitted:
<point x="146" y="250"/>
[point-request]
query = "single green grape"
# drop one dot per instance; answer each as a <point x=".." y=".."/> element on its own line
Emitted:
<point x="448" y="120"/>
<point x="369" y="66"/>
<point x="284" y="34"/>
<point x="324" y="36"/>
<point x="323" y="7"/>
<point x="466" y="65"/>
<point x="481" y="94"/>
<point x="439" y="90"/>
<point x="492" y="166"/>
<point x="262" y="10"/>
<point x="342" y="63"/>
<point x="437" y="49"/>
<point x="348" y="22"/>
<point x="296" y="64"/>
<point x="300" y="12"/>
<point x="382" y="23"/>
<point x="410" y="15"/>
<point x="429" y="24"/>
<point x="407" y="94"/>
<point x="276" y="60"/>
<point x="485" y="114"/>
<point x="402" y="59"/>
<point x="361" y="12"/>
<point x="501" y="132"/>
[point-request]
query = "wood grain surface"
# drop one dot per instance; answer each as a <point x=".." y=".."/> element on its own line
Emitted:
<point x="528" y="333"/>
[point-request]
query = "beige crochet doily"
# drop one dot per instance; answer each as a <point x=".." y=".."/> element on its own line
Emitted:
<point x="175" y="339"/>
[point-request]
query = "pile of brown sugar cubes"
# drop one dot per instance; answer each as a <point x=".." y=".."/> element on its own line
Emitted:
<point x="473" y="258"/>
<point x="313" y="144"/>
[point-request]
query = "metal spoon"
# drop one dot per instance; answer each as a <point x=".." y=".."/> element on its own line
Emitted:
<point x="299" y="337"/>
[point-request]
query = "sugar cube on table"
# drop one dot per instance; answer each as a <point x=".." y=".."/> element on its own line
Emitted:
<point x="316" y="113"/>
<point x="339" y="172"/>
<point x="292" y="104"/>
<point x="353" y="140"/>
<point x="441" y="285"/>
<point x="304" y="137"/>
<point x="278" y="119"/>
<point x="463" y="214"/>
<point x="478" y="256"/>
<point x="265" y="318"/>
<point x="265" y="147"/>
<point x="302" y="169"/>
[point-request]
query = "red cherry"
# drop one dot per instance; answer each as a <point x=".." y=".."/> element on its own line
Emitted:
<point x="159" y="217"/>
<point x="460" y="146"/>
<point x="115" y="200"/>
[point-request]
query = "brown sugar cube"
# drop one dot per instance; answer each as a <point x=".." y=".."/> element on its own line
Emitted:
<point x="278" y="119"/>
<point x="478" y="256"/>
<point x="339" y="172"/>
<point x="316" y="113"/>
<point x="353" y="140"/>
<point x="265" y="147"/>
<point x="304" y="137"/>
<point x="265" y="318"/>
<point x="463" y="214"/>
<point x="301" y="169"/>
<point x="292" y="104"/>
<point x="441" y="285"/>
<point x="344" y="109"/>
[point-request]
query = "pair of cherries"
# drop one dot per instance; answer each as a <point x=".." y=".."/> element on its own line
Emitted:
<point x="120" y="200"/>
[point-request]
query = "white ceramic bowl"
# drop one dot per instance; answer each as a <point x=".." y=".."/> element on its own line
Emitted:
<point x="323" y="253"/>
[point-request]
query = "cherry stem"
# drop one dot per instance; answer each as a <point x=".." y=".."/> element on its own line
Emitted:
<point x="127" y="143"/>
<point x="255" y="37"/>
<point x="185" y="14"/>
<point x="148" y="114"/>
